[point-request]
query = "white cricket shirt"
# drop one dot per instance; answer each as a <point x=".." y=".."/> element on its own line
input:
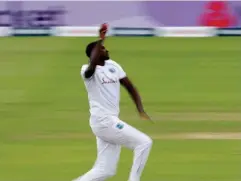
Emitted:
<point x="104" y="88"/>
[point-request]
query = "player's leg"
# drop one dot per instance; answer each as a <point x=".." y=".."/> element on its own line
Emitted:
<point x="119" y="132"/>
<point x="106" y="162"/>
<point x="141" y="144"/>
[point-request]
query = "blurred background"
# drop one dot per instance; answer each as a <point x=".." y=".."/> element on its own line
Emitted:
<point x="184" y="57"/>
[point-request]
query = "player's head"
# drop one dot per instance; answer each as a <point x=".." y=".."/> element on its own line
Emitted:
<point x="104" y="54"/>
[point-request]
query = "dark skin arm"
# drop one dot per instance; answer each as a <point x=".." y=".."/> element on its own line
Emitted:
<point x="95" y="54"/>
<point x="125" y="82"/>
<point x="94" y="58"/>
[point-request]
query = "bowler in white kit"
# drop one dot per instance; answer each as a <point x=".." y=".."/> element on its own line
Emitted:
<point x="102" y="78"/>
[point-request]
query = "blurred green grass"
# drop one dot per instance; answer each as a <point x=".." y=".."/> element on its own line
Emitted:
<point x="187" y="85"/>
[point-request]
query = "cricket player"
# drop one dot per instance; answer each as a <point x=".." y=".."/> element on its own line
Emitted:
<point x="102" y="78"/>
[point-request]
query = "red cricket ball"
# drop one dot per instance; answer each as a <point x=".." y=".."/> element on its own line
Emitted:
<point x="104" y="26"/>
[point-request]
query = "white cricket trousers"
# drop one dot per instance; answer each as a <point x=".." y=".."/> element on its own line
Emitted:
<point x="112" y="133"/>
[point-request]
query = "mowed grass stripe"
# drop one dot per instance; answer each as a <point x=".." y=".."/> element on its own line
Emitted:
<point x="191" y="116"/>
<point x="184" y="136"/>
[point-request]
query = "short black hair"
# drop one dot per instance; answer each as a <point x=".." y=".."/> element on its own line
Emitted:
<point x="90" y="47"/>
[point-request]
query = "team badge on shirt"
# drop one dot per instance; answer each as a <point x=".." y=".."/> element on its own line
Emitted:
<point x="120" y="126"/>
<point x="112" y="70"/>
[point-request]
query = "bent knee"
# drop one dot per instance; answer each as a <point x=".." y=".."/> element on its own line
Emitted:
<point x="147" y="140"/>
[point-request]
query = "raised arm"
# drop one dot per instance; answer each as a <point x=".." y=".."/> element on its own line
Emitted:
<point x="94" y="58"/>
<point x="95" y="54"/>
<point x="125" y="82"/>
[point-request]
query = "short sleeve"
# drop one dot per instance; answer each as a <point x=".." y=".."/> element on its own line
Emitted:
<point x="83" y="69"/>
<point x="121" y="72"/>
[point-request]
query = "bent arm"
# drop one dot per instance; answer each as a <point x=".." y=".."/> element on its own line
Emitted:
<point x="125" y="82"/>
<point x="95" y="55"/>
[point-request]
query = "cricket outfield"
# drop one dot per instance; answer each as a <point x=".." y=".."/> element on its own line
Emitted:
<point x="190" y="87"/>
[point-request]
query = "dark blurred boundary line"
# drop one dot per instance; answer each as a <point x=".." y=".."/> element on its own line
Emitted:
<point x="123" y="31"/>
<point x="22" y="32"/>
<point x="229" y="31"/>
<point x="131" y="32"/>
